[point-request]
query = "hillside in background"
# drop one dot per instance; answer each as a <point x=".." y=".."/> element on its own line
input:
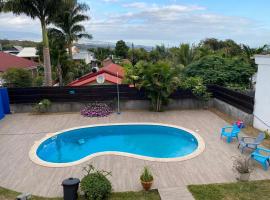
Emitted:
<point x="7" y="44"/>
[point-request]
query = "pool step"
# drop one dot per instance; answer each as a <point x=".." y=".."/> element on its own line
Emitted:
<point x="176" y="193"/>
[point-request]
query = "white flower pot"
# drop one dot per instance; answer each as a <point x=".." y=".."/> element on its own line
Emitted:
<point x="244" y="177"/>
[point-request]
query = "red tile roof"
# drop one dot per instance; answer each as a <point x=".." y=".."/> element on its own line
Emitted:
<point x="109" y="72"/>
<point x="8" y="61"/>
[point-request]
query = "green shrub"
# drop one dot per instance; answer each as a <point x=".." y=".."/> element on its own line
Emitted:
<point x="146" y="175"/>
<point x="195" y="84"/>
<point x="43" y="106"/>
<point x="16" y="77"/>
<point x="95" y="184"/>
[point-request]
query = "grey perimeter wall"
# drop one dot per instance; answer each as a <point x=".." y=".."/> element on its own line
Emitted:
<point x="233" y="111"/>
<point x="180" y="104"/>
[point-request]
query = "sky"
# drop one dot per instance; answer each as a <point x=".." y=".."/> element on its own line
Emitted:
<point x="168" y="22"/>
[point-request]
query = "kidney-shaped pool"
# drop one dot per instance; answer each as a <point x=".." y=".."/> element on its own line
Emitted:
<point x="154" y="142"/>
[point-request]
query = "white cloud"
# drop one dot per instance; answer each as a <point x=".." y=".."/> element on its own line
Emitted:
<point x="154" y="24"/>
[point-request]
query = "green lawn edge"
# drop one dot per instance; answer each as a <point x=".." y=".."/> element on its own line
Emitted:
<point x="232" y="191"/>
<point x="7" y="194"/>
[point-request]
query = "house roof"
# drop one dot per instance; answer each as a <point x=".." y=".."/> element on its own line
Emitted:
<point x="28" y="52"/>
<point x="109" y="72"/>
<point x="8" y="61"/>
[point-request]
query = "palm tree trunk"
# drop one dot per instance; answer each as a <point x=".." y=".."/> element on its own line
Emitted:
<point x="59" y="70"/>
<point x="46" y="56"/>
<point x="70" y="50"/>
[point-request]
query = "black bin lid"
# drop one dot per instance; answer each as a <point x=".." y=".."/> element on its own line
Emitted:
<point x="71" y="181"/>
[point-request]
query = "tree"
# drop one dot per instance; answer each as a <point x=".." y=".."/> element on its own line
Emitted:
<point x="68" y="23"/>
<point x="159" y="80"/>
<point x="215" y="69"/>
<point x="121" y="49"/>
<point x="159" y="53"/>
<point x="102" y="53"/>
<point x="58" y="51"/>
<point x="17" y="77"/>
<point x="137" y="54"/>
<point x="184" y="55"/>
<point x="44" y="11"/>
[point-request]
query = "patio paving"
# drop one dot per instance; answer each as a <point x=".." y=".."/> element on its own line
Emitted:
<point x="18" y="132"/>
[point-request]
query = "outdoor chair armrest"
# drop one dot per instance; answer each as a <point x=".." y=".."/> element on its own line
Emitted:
<point x="259" y="155"/>
<point x="263" y="149"/>
<point x="247" y="137"/>
<point x="226" y="127"/>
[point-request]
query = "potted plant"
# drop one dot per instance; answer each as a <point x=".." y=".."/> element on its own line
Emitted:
<point x="243" y="167"/>
<point x="146" y="179"/>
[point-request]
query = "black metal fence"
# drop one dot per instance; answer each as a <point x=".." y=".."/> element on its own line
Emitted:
<point x="237" y="99"/>
<point x="109" y="92"/>
<point x="82" y="94"/>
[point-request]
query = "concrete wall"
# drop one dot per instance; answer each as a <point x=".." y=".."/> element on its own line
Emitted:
<point x="233" y="111"/>
<point x="262" y="94"/>
<point x="124" y="105"/>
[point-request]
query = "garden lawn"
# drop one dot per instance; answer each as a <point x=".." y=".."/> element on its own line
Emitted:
<point x="232" y="191"/>
<point x="6" y="194"/>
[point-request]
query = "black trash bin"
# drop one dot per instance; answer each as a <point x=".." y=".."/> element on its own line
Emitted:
<point x="70" y="188"/>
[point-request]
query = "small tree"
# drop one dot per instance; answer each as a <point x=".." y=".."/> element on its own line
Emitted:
<point x="16" y="77"/>
<point x="121" y="49"/>
<point x="159" y="80"/>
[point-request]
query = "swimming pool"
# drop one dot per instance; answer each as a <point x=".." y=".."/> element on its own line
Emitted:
<point x="155" y="142"/>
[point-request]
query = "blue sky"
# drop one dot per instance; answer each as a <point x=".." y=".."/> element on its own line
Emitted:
<point x="168" y="22"/>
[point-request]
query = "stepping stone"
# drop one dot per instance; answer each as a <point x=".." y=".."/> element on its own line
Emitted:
<point x="176" y="193"/>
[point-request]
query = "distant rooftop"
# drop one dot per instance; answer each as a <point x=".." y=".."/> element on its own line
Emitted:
<point x="8" y="61"/>
<point x="28" y="52"/>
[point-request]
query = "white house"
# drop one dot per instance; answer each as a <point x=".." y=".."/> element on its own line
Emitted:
<point x="262" y="94"/>
<point x="84" y="55"/>
<point x="29" y="53"/>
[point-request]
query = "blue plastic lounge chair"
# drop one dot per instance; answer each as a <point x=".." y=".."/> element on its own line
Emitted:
<point x="230" y="132"/>
<point x="251" y="142"/>
<point x="263" y="159"/>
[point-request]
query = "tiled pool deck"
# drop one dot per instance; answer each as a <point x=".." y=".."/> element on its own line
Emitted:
<point x="18" y="132"/>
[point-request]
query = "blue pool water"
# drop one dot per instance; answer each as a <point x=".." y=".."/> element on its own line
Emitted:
<point x="154" y="141"/>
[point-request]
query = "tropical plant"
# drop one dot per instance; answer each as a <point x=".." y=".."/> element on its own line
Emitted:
<point x="146" y="179"/>
<point x="159" y="81"/>
<point x="146" y="175"/>
<point x="184" y="55"/>
<point x="68" y="23"/>
<point x="95" y="184"/>
<point x="58" y="51"/>
<point x="44" y="11"/>
<point x="17" y="77"/>
<point x="121" y="49"/>
<point x="242" y="164"/>
<point x="195" y="84"/>
<point x="43" y="106"/>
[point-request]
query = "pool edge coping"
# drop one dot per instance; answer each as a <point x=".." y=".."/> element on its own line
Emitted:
<point x="34" y="157"/>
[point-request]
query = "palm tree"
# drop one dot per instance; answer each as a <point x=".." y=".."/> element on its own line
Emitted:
<point x="68" y="23"/>
<point x="43" y="10"/>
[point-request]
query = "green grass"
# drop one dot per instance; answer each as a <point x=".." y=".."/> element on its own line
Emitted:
<point x="233" y="191"/>
<point x="6" y="194"/>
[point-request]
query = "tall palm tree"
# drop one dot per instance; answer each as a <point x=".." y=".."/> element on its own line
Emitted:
<point x="68" y="22"/>
<point x="44" y="10"/>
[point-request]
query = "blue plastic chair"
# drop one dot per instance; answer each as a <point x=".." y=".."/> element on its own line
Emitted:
<point x="261" y="158"/>
<point x="251" y="142"/>
<point x="230" y="132"/>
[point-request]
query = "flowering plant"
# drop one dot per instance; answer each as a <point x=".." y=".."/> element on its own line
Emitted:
<point x="96" y="110"/>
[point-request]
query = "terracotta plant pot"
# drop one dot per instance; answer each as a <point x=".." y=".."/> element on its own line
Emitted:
<point x="146" y="185"/>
